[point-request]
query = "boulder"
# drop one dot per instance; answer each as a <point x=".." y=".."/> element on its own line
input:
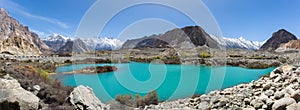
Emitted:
<point x="203" y="106"/>
<point x="283" y="103"/>
<point x="294" y="106"/>
<point x="287" y="68"/>
<point x="11" y="91"/>
<point x="36" y="89"/>
<point x="269" y="92"/>
<point x="257" y="103"/>
<point x="278" y="94"/>
<point x="269" y="102"/>
<point x="296" y="95"/>
<point x="83" y="98"/>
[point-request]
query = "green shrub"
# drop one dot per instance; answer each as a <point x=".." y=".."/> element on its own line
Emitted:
<point x="175" y="57"/>
<point x="127" y="55"/>
<point x="43" y="73"/>
<point x="52" y="91"/>
<point x="282" y="60"/>
<point x="150" y="98"/>
<point x="125" y="99"/>
<point x="205" y="55"/>
<point x="137" y="96"/>
<point x="113" y="60"/>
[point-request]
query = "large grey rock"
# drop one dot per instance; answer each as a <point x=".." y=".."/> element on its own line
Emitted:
<point x="287" y="68"/>
<point x="11" y="91"/>
<point x="273" y="75"/>
<point x="283" y="103"/>
<point x="36" y="89"/>
<point x="203" y="106"/>
<point x="269" y="102"/>
<point x="257" y="103"/>
<point x="278" y="94"/>
<point x="269" y="92"/>
<point x="83" y="98"/>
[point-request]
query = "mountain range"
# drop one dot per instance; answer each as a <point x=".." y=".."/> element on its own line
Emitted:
<point x="191" y="36"/>
<point x="239" y="43"/>
<point x="19" y="40"/>
<point x="57" y="41"/>
<point x="180" y="38"/>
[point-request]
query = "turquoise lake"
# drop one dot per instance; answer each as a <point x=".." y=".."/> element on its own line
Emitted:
<point x="170" y="81"/>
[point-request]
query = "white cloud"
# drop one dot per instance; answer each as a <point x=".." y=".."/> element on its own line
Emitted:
<point x="16" y="8"/>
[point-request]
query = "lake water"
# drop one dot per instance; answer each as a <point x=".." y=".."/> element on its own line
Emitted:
<point x="170" y="81"/>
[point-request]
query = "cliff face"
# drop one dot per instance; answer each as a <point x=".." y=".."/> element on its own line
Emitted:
<point x="180" y="38"/>
<point x="294" y="44"/>
<point x="41" y="45"/>
<point x="17" y="39"/>
<point x="280" y="37"/>
<point x="76" y="45"/>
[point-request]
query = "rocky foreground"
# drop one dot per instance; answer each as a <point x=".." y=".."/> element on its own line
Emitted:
<point x="280" y="90"/>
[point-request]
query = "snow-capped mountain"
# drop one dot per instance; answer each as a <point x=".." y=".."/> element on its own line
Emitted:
<point x="56" y="37"/>
<point x="56" y="41"/>
<point x="240" y="43"/>
<point x="103" y="43"/>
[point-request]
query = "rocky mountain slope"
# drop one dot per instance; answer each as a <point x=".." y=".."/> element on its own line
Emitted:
<point x="180" y="38"/>
<point x="17" y="39"/>
<point x="280" y="37"/>
<point x="292" y="45"/>
<point x="239" y="43"/>
<point x="76" y="45"/>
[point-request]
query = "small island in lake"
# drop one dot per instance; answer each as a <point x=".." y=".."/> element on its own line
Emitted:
<point x="94" y="70"/>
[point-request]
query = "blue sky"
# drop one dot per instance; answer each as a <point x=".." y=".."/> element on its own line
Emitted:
<point x="252" y="19"/>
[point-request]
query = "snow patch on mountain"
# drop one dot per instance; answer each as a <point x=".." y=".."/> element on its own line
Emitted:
<point x="240" y="43"/>
<point x="56" y="37"/>
<point x="56" y="41"/>
<point x="103" y="43"/>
